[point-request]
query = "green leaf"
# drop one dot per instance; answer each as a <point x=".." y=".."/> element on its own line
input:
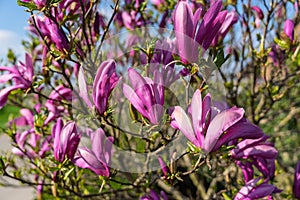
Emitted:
<point x="226" y="197"/>
<point x="283" y="44"/>
<point x="220" y="58"/>
<point x="30" y="5"/>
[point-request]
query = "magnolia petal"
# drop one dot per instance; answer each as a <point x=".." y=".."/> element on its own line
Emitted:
<point x="243" y="130"/>
<point x="184" y="124"/>
<point x="219" y="124"/>
<point x="208" y="19"/>
<point x="6" y="91"/>
<point x="83" y="89"/>
<point x="135" y="100"/>
<point x="262" y="150"/>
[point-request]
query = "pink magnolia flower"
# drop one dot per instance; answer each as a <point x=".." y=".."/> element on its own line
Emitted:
<point x="252" y="190"/>
<point x="165" y="169"/>
<point x="209" y="133"/>
<point x="146" y="95"/>
<point x="189" y="36"/>
<point x="98" y="158"/>
<point x="21" y="74"/>
<point x="289" y="29"/>
<point x="105" y="81"/>
<point x="258" y="153"/>
<point x="52" y="32"/>
<point x="66" y="140"/>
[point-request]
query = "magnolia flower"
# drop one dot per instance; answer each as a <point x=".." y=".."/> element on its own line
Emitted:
<point x="21" y="74"/>
<point x="210" y="134"/>
<point x="165" y="169"/>
<point x="296" y="186"/>
<point x="29" y="143"/>
<point x="254" y="190"/>
<point x="247" y="169"/>
<point x="188" y="36"/>
<point x="248" y="148"/>
<point x="66" y="140"/>
<point x="258" y="153"/>
<point x="289" y="29"/>
<point x="259" y="15"/>
<point x="105" y="81"/>
<point x="52" y="32"/>
<point x="146" y="96"/>
<point x="98" y="158"/>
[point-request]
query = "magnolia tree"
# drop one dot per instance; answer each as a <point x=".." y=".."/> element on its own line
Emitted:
<point x="158" y="99"/>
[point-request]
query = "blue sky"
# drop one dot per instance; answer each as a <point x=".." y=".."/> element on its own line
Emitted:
<point x="13" y="21"/>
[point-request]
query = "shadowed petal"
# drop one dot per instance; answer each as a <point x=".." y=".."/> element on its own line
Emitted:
<point x="219" y="124"/>
<point x="243" y="130"/>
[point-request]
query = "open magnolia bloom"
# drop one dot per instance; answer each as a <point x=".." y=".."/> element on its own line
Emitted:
<point x="98" y="158"/>
<point x="146" y="95"/>
<point x="211" y="132"/>
<point x="215" y="23"/>
<point x="256" y="190"/>
<point x="21" y="74"/>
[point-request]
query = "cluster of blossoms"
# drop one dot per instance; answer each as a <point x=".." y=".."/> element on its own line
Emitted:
<point x="54" y="131"/>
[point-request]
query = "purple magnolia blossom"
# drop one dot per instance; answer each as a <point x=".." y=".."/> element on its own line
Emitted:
<point x="165" y="169"/>
<point x="154" y="196"/>
<point x="22" y="76"/>
<point x="29" y="143"/>
<point x="52" y="32"/>
<point x="258" y="153"/>
<point x="97" y="158"/>
<point x="189" y="36"/>
<point x="296" y="186"/>
<point x="253" y="190"/>
<point x="147" y="96"/>
<point x="289" y="29"/>
<point x="66" y="140"/>
<point x="105" y="81"/>
<point x="259" y="15"/>
<point x="209" y="133"/>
